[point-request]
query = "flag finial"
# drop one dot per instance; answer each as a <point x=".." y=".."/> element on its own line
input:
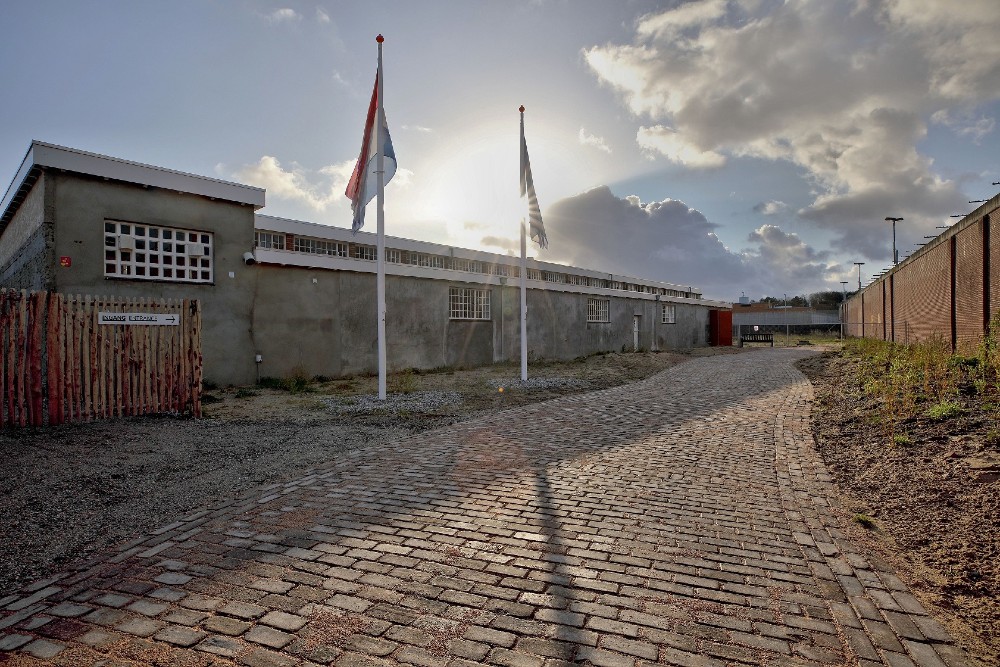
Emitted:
<point x="521" y="109"/>
<point x="380" y="38"/>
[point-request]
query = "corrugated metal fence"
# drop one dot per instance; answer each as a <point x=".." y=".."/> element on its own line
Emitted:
<point x="66" y="358"/>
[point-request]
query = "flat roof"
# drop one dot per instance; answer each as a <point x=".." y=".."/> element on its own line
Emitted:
<point x="42" y="155"/>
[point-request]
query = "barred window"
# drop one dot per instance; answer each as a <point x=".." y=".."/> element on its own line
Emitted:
<point x="368" y="252"/>
<point x="393" y="256"/>
<point x="269" y="240"/>
<point x="598" y="310"/>
<point x="669" y="313"/>
<point x="320" y="247"/>
<point x="499" y="270"/>
<point x="616" y="284"/>
<point x="468" y="303"/>
<point x="149" y="252"/>
<point x="534" y="274"/>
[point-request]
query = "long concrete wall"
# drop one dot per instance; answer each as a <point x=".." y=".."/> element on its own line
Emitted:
<point x="949" y="289"/>
<point x="331" y="317"/>
<point x="319" y="321"/>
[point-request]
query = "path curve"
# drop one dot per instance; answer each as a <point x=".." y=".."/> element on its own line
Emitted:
<point x="684" y="520"/>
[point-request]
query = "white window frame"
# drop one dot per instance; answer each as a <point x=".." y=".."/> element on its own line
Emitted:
<point x="313" y="246"/>
<point x="598" y="310"/>
<point x="668" y="313"/>
<point x="269" y="240"/>
<point x="366" y="252"/>
<point x="137" y="251"/>
<point x="393" y="256"/>
<point x="468" y="303"/>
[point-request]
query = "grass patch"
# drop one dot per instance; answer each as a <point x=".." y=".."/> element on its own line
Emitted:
<point x="901" y="440"/>
<point x="246" y="392"/>
<point x="864" y="521"/>
<point x="944" y="410"/>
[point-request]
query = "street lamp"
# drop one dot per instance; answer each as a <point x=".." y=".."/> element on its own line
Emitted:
<point x="895" y="255"/>
<point x="859" y="265"/>
<point x="843" y="307"/>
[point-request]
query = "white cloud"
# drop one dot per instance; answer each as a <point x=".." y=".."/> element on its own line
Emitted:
<point x="282" y="15"/>
<point x="843" y="89"/>
<point x="965" y="124"/>
<point x="772" y="207"/>
<point x="587" y="139"/>
<point x="294" y="183"/>
<point x="322" y="16"/>
<point x="669" y="241"/>
<point x="676" y="148"/>
<point x="418" y="128"/>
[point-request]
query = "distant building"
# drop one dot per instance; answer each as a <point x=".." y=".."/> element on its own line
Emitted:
<point x="82" y="223"/>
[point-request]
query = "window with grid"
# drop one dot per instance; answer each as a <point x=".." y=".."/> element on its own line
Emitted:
<point x="534" y="274"/>
<point x="319" y="247"/>
<point x="499" y="270"/>
<point x="669" y="313"/>
<point x="459" y="264"/>
<point x="149" y="252"/>
<point x="468" y="303"/>
<point x="368" y="252"/>
<point x="393" y="256"/>
<point x="421" y="259"/>
<point x="269" y="240"/>
<point x="598" y="310"/>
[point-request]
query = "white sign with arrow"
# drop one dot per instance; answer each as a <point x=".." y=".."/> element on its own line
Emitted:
<point x="140" y="319"/>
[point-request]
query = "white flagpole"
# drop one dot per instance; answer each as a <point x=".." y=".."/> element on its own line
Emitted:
<point x="380" y="245"/>
<point x="524" y="305"/>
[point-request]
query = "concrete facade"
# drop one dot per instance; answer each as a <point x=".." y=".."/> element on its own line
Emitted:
<point x="307" y="304"/>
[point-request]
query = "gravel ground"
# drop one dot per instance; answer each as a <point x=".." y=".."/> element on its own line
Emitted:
<point x="70" y="492"/>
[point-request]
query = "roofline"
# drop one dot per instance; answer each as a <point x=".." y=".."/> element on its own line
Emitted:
<point x="41" y="155"/>
<point x="346" y="235"/>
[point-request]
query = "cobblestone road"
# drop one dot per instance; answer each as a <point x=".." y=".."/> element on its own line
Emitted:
<point x="682" y="520"/>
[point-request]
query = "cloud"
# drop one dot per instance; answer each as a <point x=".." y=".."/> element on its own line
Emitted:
<point x="676" y="148"/>
<point x="717" y="80"/>
<point x="294" y="183"/>
<point x="283" y="15"/>
<point x="669" y="241"/>
<point x="418" y="128"/>
<point x="587" y="139"/>
<point x="322" y="16"/>
<point x="965" y="123"/>
<point x="506" y="244"/>
<point x="772" y="207"/>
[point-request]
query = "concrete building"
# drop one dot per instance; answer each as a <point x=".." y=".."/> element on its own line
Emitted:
<point x="77" y="222"/>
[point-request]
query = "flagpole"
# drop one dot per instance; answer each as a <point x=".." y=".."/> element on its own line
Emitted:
<point x="524" y="305"/>
<point x="380" y="245"/>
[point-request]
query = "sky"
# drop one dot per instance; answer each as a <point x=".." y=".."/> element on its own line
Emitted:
<point x="738" y="146"/>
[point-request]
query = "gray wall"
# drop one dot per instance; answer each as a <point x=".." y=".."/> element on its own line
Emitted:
<point x="82" y="204"/>
<point x="26" y="250"/>
<point x="320" y="322"/>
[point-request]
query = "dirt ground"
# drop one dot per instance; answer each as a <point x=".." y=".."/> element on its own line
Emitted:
<point x="932" y="491"/>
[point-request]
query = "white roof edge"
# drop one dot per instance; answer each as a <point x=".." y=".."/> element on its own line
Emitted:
<point x="287" y="225"/>
<point x="41" y="154"/>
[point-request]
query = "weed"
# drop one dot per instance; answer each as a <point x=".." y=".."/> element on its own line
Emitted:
<point x="246" y="392"/>
<point x="297" y="381"/>
<point x="992" y="438"/>
<point x="207" y="399"/>
<point x="901" y="439"/>
<point x="405" y="382"/>
<point x="944" y="410"/>
<point x="864" y="521"/>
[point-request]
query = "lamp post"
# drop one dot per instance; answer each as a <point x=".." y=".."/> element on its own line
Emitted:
<point x="859" y="265"/>
<point x="786" y="320"/>
<point x="843" y="307"/>
<point x="895" y="255"/>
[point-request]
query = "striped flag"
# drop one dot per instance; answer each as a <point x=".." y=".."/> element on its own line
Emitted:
<point x="363" y="187"/>
<point x="537" y="231"/>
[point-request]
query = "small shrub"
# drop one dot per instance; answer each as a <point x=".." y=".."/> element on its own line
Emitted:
<point x="944" y="410"/>
<point x="246" y="392"/>
<point x="901" y="439"/>
<point x="864" y="521"/>
<point x="406" y="382"/>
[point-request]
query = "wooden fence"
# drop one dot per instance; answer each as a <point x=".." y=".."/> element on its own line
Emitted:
<point x="59" y="363"/>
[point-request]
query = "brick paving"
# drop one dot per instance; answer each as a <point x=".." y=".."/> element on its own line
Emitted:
<point x="682" y="520"/>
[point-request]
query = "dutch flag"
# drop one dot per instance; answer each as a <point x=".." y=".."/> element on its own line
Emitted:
<point x="363" y="185"/>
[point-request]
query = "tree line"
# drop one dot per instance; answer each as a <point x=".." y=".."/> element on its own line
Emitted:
<point x="828" y="300"/>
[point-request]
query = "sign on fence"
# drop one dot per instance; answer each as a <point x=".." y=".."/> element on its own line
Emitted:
<point x="59" y="363"/>
<point x="140" y="319"/>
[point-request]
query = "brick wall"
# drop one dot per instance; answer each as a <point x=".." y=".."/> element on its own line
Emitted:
<point x="945" y="290"/>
